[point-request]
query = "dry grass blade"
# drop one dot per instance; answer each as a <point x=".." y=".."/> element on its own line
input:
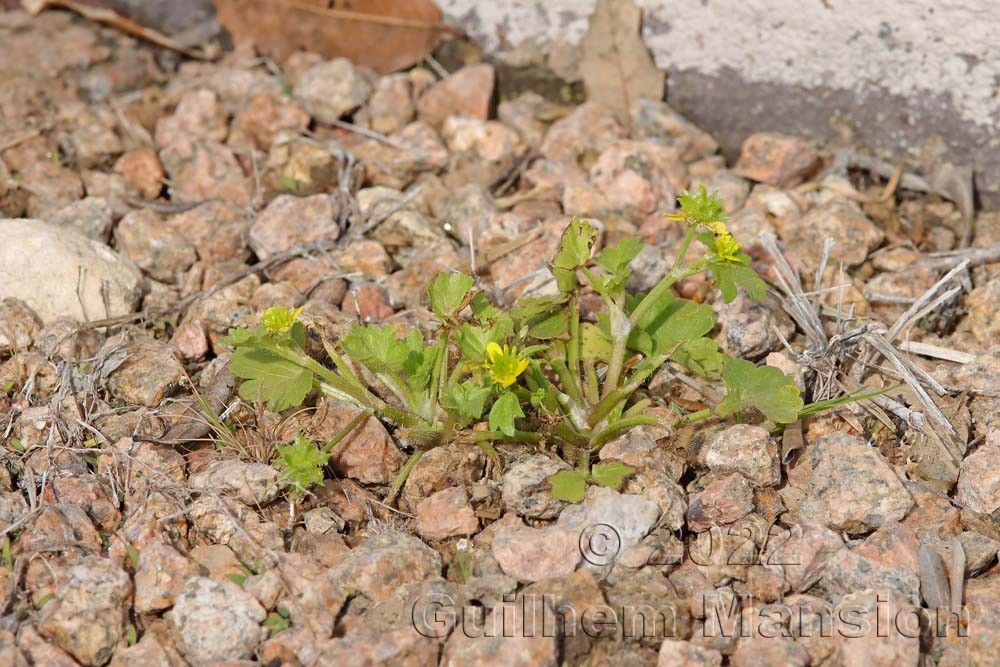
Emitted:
<point x="933" y="580"/>
<point x="927" y="302"/>
<point x="903" y="367"/>
<point x="937" y="352"/>
<point x="942" y="261"/>
<point x="957" y="575"/>
<point x="386" y="35"/>
<point x="797" y="303"/>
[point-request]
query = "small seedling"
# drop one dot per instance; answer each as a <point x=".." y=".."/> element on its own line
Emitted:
<point x="461" y="562"/>
<point x="277" y="621"/>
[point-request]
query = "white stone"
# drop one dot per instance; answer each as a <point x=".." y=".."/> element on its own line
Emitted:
<point x="60" y="273"/>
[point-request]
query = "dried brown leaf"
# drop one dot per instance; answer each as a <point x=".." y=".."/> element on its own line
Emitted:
<point x="386" y="35"/>
<point x="107" y="16"/>
<point x="616" y="66"/>
<point x="792" y="440"/>
<point x="933" y="580"/>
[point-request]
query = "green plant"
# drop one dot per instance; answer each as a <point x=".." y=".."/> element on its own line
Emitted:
<point x="534" y="371"/>
<point x="431" y="393"/>
<point x="460" y="565"/>
<point x="302" y="462"/>
<point x="277" y="621"/>
<point x="571" y="485"/>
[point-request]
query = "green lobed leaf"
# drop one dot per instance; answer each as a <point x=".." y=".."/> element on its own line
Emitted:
<point x="534" y="307"/>
<point x="576" y="245"/>
<point x="569" y="485"/>
<point x="762" y="387"/>
<point x="702" y="356"/>
<point x="545" y="316"/>
<point x="610" y="474"/>
<point x="377" y="347"/>
<point x="297" y="335"/>
<point x="238" y="337"/>
<point x="447" y="293"/>
<point x="472" y="339"/>
<point x="553" y="325"/>
<point x="276" y="623"/>
<point x="482" y="308"/>
<point x="503" y="413"/>
<point x="282" y="384"/>
<point x="574" y="252"/>
<point x="616" y="260"/>
<point x="669" y="322"/>
<point x="302" y="463"/>
<point x="595" y="342"/>
<point x="467" y="400"/>
<point x="730" y="275"/>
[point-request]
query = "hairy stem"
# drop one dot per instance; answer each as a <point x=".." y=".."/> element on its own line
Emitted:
<point x="677" y="272"/>
<point x="346" y="431"/>
<point x="439" y="373"/>
<point x="519" y="436"/>
<point x="693" y="417"/>
<point x="620" y="426"/>
<point x="573" y="347"/>
<point x="583" y="459"/>
<point x="404" y="472"/>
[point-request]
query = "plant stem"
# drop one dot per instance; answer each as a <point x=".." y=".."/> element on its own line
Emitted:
<point x="611" y="401"/>
<point x="519" y="436"/>
<point x="396" y="415"/>
<point x="677" y="272"/>
<point x="583" y="459"/>
<point x="359" y="394"/>
<point x="439" y="372"/>
<point x="623" y="424"/>
<point x="566" y="377"/>
<point x="638" y="408"/>
<point x="693" y="417"/>
<point x="593" y="385"/>
<point x="404" y="472"/>
<point x="621" y="327"/>
<point x="346" y="431"/>
<point x="573" y="347"/>
<point x="682" y="251"/>
<point x="397" y="385"/>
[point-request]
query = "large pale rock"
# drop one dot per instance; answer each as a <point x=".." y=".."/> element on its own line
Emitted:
<point x="60" y="273"/>
<point x="216" y="620"/>
<point x="851" y="487"/>
<point x="87" y="615"/>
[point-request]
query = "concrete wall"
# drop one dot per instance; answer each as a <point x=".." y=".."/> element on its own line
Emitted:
<point x="915" y="78"/>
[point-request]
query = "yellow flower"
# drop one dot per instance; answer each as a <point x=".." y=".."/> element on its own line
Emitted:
<point x="280" y="319"/>
<point x="503" y="364"/>
<point x="718" y="227"/>
<point x="726" y="247"/>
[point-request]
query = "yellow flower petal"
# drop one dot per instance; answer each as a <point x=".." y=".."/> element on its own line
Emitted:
<point x="726" y="247"/>
<point x="718" y="228"/>
<point x="503" y="364"/>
